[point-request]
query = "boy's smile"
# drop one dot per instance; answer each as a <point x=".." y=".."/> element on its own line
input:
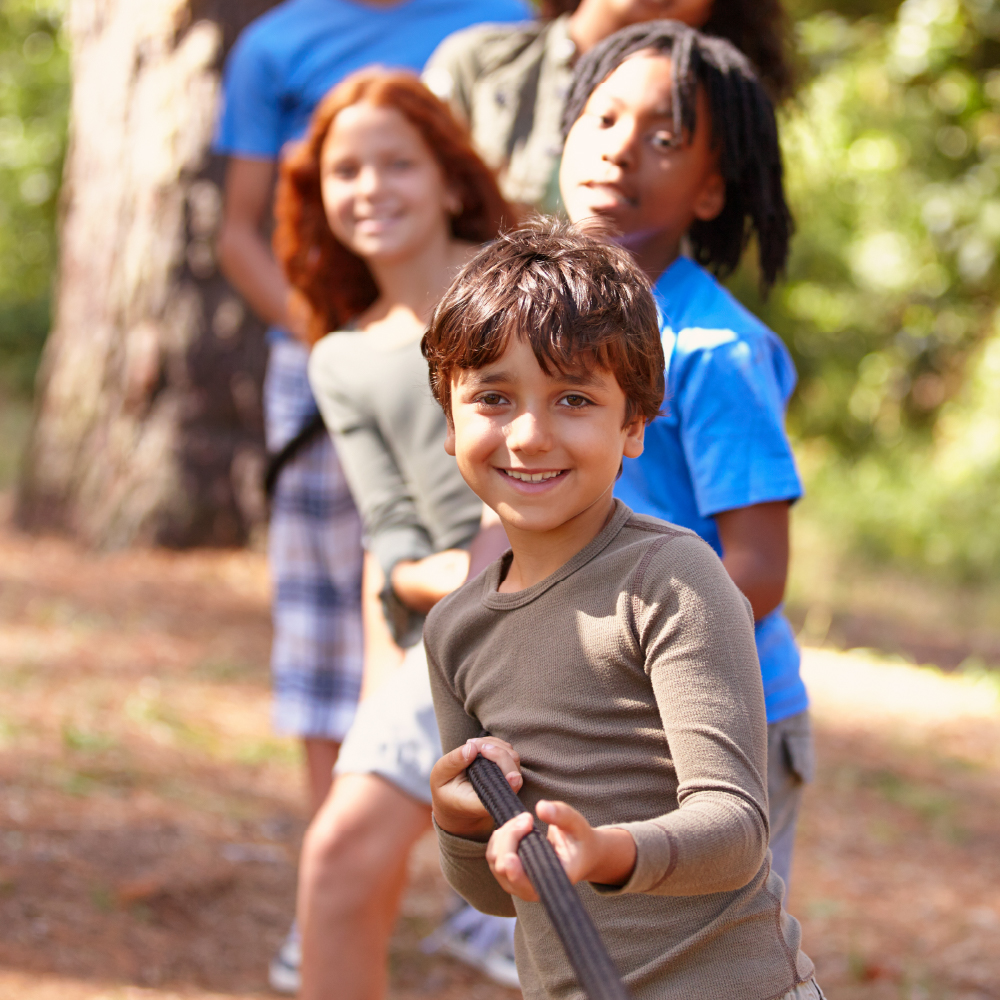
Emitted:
<point x="621" y="163"/>
<point x="543" y="450"/>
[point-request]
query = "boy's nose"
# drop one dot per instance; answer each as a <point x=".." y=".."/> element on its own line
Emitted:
<point x="528" y="434"/>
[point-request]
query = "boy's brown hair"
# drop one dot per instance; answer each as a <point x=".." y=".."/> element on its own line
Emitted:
<point x="577" y="300"/>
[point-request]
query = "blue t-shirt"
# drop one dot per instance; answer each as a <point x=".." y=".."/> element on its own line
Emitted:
<point x="721" y="443"/>
<point x="285" y="62"/>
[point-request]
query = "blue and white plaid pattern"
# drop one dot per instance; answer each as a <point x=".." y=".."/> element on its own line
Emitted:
<point x="314" y="550"/>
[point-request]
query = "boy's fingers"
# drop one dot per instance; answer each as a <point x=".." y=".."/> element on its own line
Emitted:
<point x="451" y="765"/>
<point x="498" y="751"/>
<point x="502" y="856"/>
<point x="512" y="878"/>
<point x="563" y="816"/>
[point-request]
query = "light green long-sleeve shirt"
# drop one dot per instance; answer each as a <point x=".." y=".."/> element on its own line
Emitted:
<point x="373" y="392"/>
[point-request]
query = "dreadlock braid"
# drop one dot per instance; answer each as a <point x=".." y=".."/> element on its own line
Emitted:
<point x="743" y="130"/>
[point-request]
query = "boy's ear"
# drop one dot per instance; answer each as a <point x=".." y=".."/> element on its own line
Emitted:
<point x="635" y="438"/>
<point x="711" y="198"/>
<point x="449" y="437"/>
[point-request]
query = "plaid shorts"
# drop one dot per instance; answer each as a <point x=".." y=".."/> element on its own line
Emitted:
<point x="314" y="553"/>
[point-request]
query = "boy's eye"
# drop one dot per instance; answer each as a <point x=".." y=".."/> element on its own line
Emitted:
<point x="663" y="139"/>
<point x="575" y="402"/>
<point x="491" y="399"/>
<point x="401" y="164"/>
<point x="344" y="171"/>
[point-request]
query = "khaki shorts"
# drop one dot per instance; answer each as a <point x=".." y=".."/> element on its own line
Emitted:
<point x="805" y="991"/>
<point x="395" y="733"/>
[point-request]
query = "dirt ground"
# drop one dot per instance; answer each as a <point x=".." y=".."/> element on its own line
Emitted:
<point x="149" y="821"/>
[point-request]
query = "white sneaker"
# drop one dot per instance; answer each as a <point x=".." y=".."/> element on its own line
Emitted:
<point x="284" y="972"/>
<point x="479" y="940"/>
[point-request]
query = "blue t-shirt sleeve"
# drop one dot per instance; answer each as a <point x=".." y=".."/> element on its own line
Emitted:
<point x="250" y="116"/>
<point x="729" y="396"/>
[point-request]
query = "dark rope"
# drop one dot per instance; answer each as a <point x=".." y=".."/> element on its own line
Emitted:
<point x="276" y="461"/>
<point x="595" y="971"/>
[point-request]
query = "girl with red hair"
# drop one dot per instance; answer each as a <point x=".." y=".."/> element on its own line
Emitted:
<point x="377" y="210"/>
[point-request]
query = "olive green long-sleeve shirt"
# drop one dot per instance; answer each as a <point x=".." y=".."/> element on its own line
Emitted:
<point x="373" y="392"/>
<point x="628" y="682"/>
<point x="509" y="82"/>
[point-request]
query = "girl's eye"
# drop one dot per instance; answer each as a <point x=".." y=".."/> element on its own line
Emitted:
<point x="402" y="164"/>
<point x="344" y="172"/>
<point x="606" y="120"/>
<point x="575" y="402"/>
<point x="663" y="140"/>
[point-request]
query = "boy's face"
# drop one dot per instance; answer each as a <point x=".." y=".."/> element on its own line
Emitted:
<point x="619" y="164"/>
<point x="512" y="423"/>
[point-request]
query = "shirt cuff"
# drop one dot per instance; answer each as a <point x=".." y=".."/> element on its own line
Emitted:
<point x="655" y="859"/>
<point x="461" y="847"/>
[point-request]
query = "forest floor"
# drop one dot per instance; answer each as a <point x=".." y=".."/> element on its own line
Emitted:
<point x="149" y="821"/>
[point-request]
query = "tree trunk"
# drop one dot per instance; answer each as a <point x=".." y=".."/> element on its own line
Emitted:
<point x="148" y="424"/>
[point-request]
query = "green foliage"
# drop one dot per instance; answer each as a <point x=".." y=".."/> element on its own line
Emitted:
<point x="893" y="154"/>
<point x="34" y="102"/>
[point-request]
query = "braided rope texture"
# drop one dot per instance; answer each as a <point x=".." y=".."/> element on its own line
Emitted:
<point x="595" y="971"/>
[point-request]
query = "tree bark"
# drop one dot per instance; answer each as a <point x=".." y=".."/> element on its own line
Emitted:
<point x="148" y="424"/>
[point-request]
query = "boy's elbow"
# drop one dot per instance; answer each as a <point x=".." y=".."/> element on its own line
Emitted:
<point x="745" y="862"/>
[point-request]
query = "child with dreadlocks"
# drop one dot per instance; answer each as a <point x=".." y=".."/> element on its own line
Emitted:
<point x="671" y="140"/>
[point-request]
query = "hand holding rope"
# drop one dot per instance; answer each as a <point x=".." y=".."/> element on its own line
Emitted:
<point x="595" y="971"/>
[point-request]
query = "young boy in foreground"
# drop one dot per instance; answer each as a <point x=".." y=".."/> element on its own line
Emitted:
<point x="610" y="653"/>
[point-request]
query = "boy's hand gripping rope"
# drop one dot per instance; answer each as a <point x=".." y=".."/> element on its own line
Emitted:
<point x="595" y="971"/>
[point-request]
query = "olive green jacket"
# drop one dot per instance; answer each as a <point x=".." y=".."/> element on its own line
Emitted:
<point x="509" y="82"/>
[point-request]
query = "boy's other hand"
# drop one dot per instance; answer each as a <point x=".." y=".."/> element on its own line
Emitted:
<point x="457" y="809"/>
<point x="605" y="855"/>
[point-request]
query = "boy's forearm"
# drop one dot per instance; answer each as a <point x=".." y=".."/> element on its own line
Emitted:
<point x="464" y="866"/>
<point x="714" y="845"/>
<point x="616" y="854"/>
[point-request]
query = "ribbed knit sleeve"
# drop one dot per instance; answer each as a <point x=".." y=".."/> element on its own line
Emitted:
<point x="708" y="690"/>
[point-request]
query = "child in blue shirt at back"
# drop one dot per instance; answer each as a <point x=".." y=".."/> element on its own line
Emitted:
<point x="671" y="143"/>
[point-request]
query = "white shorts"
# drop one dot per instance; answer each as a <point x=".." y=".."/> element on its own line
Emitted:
<point x="395" y="733"/>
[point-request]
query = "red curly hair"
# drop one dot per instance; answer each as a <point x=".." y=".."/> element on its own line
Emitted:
<point x="334" y="282"/>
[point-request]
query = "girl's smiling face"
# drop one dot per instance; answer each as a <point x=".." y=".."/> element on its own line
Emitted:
<point x="620" y="162"/>
<point x="540" y="449"/>
<point x="384" y="192"/>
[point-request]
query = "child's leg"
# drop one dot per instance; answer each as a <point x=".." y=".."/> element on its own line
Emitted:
<point x="320" y="756"/>
<point x="352" y="873"/>
<point x="790" y="763"/>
